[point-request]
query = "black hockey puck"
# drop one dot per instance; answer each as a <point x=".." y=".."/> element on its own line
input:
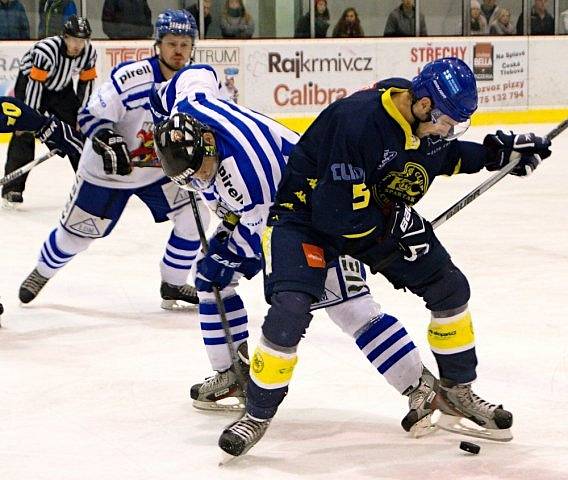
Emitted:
<point x="470" y="447"/>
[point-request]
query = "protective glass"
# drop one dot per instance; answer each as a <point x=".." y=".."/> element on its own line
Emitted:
<point x="449" y="129"/>
<point x="202" y="179"/>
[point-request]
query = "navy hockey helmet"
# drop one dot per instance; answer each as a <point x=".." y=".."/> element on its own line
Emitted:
<point x="451" y="86"/>
<point x="181" y="149"/>
<point x="77" y="27"/>
<point x="176" y="22"/>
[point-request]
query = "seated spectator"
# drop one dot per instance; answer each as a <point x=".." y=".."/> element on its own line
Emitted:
<point x="401" y="21"/>
<point x="53" y="14"/>
<point x="348" y="25"/>
<point x="478" y="21"/>
<point x="503" y="25"/>
<point x="13" y="21"/>
<point x="236" y="22"/>
<point x="490" y="11"/>
<point x="321" y="21"/>
<point x="123" y="19"/>
<point x="542" y="23"/>
<point x="564" y="18"/>
<point x="194" y="10"/>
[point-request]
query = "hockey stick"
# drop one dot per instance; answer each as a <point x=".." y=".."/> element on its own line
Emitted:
<point x="475" y="193"/>
<point x="26" y="168"/>
<point x="220" y="305"/>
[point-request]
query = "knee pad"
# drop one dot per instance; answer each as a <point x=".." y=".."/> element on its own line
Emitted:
<point x="447" y="290"/>
<point x="287" y="319"/>
<point x="185" y="225"/>
<point x="71" y="243"/>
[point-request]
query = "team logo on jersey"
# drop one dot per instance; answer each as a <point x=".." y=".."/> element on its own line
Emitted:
<point x="145" y="153"/>
<point x="409" y="185"/>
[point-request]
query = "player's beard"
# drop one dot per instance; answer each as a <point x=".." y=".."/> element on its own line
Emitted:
<point x="173" y="68"/>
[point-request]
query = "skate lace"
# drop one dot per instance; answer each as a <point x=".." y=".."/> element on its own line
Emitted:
<point x="216" y="381"/>
<point x="249" y="429"/>
<point x="188" y="290"/>
<point x="35" y="282"/>
<point x="471" y="400"/>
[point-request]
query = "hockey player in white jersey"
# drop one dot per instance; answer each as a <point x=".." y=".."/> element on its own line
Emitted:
<point x="118" y="125"/>
<point x="236" y="157"/>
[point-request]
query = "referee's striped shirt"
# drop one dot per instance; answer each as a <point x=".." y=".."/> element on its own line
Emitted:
<point x="47" y="67"/>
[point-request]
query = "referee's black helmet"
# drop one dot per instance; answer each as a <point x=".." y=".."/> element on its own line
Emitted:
<point x="77" y="27"/>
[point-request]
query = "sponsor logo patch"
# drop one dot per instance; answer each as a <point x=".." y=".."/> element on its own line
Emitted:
<point x="314" y="255"/>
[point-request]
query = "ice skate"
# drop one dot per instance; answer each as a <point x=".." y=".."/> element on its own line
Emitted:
<point x="222" y="391"/>
<point x="466" y="413"/>
<point x="239" y="437"/>
<point x="12" y="200"/>
<point x="422" y="403"/>
<point x="31" y="286"/>
<point x="178" y="297"/>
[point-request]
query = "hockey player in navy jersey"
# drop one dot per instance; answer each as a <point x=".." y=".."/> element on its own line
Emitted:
<point x="117" y="124"/>
<point x="349" y="188"/>
<point x="236" y="157"/>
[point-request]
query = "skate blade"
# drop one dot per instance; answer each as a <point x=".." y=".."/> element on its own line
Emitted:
<point x="178" y="305"/>
<point x="463" y="426"/>
<point x="226" y="458"/>
<point x="423" y="427"/>
<point x="231" y="404"/>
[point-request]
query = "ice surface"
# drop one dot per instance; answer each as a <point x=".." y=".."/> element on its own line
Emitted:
<point x="95" y="377"/>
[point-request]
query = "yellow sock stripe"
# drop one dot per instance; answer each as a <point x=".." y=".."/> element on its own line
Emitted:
<point x="451" y="337"/>
<point x="267" y="249"/>
<point x="271" y="369"/>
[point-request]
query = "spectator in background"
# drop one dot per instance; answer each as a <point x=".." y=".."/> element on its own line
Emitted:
<point x="564" y="18"/>
<point x="478" y="21"/>
<point x="194" y="10"/>
<point x="321" y="21"/>
<point x="14" y="23"/>
<point x="236" y="22"/>
<point x="401" y="21"/>
<point x="490" y="11"/>
<point x="503" y="25"/>
<point x="53" y="14"/>
<point x="348" y="25"/>
<point x="123" y="19"/>
<point x="542" y="23"/>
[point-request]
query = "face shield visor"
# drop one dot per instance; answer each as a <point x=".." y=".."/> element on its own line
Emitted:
<point x="446" y="127"/>
<point x="200" y="180"/>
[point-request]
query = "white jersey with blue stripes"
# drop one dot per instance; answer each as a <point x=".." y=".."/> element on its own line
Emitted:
<point x="122" y="104"/>
<point x="253" y="150"/>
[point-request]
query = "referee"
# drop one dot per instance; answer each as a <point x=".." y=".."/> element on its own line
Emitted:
<point x="45" y="83"/>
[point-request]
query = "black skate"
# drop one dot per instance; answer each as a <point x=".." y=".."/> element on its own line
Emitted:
<point x="12" y="200"/>
<point x="421" y="402"/>
<point x="172" y="294"/>
<point x="31" y="286"/>
<point x="222" y="391"/>
<point x="466" y="413"/>
<point x="239" y="437"/>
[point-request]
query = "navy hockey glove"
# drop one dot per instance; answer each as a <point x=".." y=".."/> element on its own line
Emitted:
<point x="217" y="267"/>
<point x="61" y="137"/>
<point x="410" y="231"/>
<point x="527" y="165"/>
<point x="112" y="147"/>
<point x="500" y="146"/>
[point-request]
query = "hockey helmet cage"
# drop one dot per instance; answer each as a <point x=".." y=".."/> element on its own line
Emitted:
<point x="451" y="86"/>
<point x="181" y="148"/>
<point x="77" y="27"/>
<point x="176" y="22"/>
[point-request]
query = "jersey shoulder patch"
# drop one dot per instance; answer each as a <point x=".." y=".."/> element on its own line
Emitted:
<point x="128" y="75"/>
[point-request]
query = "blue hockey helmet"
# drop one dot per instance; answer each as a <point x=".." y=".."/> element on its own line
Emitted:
<point x="450" y="84"/>
<point x="176" y="22"/>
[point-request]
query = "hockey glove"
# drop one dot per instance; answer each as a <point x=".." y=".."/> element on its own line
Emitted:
<point x="61" y="137"/>
<point x="500" y="146"/>
<point x="527" y="165"/>
<point x="112" y="147"/>
<point x="217" y="267"/>
<point x="410" y="231"/>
